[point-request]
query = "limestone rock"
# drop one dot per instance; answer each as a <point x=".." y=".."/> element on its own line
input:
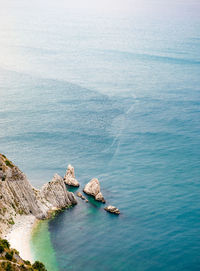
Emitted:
<point x="56" y="194"/>
<point x="18" y="196"/>
<point x="99" y="197"/>
<point x="93" y="188"/>
<point x="70" y="177"/>
<point x="112" y="209"/>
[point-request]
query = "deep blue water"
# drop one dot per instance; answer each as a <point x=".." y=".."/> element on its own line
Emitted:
<point x="117" y="95"/>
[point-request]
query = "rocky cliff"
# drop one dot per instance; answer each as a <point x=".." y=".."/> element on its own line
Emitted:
<point x="17" y="196"/>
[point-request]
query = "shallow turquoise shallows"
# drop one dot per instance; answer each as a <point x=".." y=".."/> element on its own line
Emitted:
<point x="115" y="91"/>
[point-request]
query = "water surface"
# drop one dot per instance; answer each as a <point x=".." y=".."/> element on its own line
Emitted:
<point x="116" y="94"/>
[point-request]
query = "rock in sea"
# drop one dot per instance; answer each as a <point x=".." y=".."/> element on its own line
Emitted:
<point x="112" y="209"/>
<point x="80" y="196"/>
<point x="18" y="196"/>
<point x="69" y="178"/>
<point x="93" y="188"/>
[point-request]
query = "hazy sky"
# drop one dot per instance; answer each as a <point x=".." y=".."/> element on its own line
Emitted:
<point x="136" y="7"/>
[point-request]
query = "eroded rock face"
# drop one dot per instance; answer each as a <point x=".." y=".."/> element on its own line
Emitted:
<point x="93" y="188"/>
<point x="112" y="209"/>
<point x="56" y="194"/>
<point x="99" y="197"/>
<point x="17" y="196"/>
<point x="70" y="177"/>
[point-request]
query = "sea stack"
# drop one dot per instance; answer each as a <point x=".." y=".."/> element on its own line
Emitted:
<point x="93" y="188"/>
<point x="19" y="197"/>
<point x="112" y="209"/>
<point x="69" y="178"/>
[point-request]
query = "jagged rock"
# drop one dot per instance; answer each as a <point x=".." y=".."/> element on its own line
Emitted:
<point x="80" y="196"/>
<point x="93" y="188"/>
<point x="55" y="193"/>
<point x="99" y="197"/>
<point x="112" y="209"/>
<point x="70" y="177"/>
<point x="17" y="196"/>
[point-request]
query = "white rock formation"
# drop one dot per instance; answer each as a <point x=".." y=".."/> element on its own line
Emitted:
<point x="17" y="196"/>
<point x="70" y="177"/>
<point x="93" y="188"/>
<point x="112" y="209"/>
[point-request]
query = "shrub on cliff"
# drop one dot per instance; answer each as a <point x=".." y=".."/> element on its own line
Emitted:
<point x="1" y="249"/>
<point x="4" y="243"/>
<point x="9" y="255"/>
<point x="39" y="266"/>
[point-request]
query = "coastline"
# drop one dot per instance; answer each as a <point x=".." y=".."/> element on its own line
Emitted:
<point x="19" y="235"/>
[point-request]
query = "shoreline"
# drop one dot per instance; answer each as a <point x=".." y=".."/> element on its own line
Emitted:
<point x="19" y="235"/>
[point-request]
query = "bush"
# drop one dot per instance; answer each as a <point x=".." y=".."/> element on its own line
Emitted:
<point x="9" y="255"/>
<point x="27" y="262"/>
<point x="39" y="266"/>
<point x="4" y="243"/>
<point x="9" y="267"/>
<point x="11" y="221"/>
<point x="9" y="164"/>
<point x="1" y="248"/>
<point x="6" y="266"/>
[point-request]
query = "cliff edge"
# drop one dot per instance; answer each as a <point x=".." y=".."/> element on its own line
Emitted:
<point x="18" y="196"/>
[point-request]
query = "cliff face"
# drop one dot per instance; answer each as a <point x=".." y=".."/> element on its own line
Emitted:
<point x="17" y="196"/>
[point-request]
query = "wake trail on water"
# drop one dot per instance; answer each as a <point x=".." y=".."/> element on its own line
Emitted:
<point x="122" y="119"/>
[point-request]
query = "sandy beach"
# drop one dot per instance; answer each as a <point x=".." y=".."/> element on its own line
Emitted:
<point x="20" y="234"/>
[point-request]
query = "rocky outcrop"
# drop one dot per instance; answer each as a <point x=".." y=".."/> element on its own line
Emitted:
<point x="112" y="209"/>
<point x="70" y="177"/>
<point x="93" y="188"/>
<point x="17" y="196"/>
<point x="80" y="196"/>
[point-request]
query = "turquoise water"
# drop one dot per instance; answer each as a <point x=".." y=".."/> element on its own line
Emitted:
<point x="41" y="246"/>
<point x="114" y="91"/>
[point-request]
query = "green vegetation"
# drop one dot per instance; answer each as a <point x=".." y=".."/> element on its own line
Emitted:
<point x="7" y="266"/>
<point x="9" y="255"/>
<point x="39" y="266"/>
<point x="1" y="249"/>
<point x="11" y="221"/>
<point x="11" y="261"/>
<point x="4" y="243"/>
<point x="27" y="262"/>
<point x="21" y="212"/>
<point x="9" y="164"/>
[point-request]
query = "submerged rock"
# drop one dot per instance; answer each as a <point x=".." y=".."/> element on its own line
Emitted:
<point x="69" y="178"/>
<point x="93" y="188"/>
<point x="80" y="196"/>
<point x="112" y="209"/>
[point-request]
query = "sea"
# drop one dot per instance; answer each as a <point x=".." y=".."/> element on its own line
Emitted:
<point x="113" y="88"/>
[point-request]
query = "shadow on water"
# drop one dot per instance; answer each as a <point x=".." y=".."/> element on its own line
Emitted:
<point x="72" y="188"/>
<point x="90" y="199"/>
<point x="93" y="202"/>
